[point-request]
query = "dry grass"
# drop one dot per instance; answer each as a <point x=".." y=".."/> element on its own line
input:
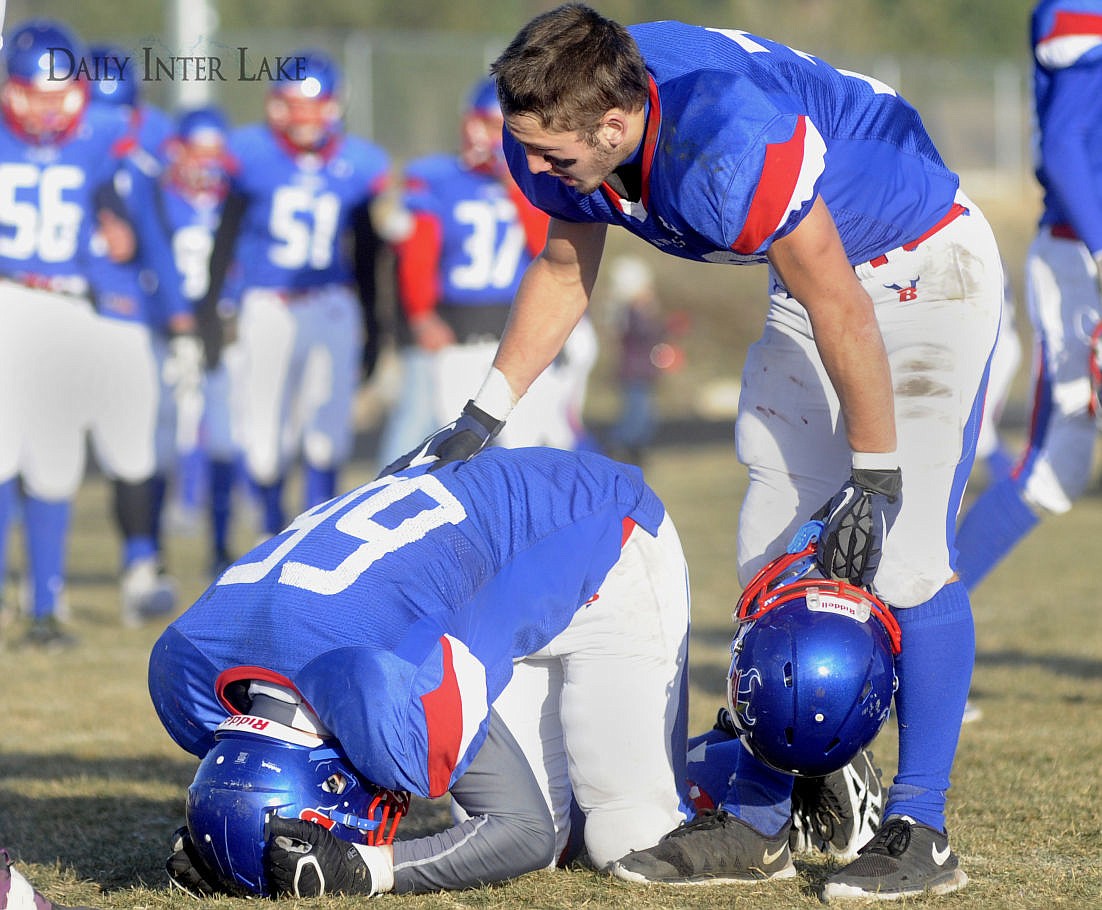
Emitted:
<point x="90" y="787"/>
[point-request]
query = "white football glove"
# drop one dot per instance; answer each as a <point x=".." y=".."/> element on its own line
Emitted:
<point x="183" y="367"/>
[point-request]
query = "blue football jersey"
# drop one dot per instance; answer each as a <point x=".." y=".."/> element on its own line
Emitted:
<point x="48" y="200"/>
<point x="192" y="222"/>
<point x="483" y="248"/>
<point x="145" y="289"/>
<point x="1067" y="93"/>
<point x="742" y="135"/>
<point x="397" y="610"/>
<point x="299" y="206"/>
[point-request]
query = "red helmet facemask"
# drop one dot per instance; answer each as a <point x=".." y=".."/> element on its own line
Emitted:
<point x="43" y="112"/>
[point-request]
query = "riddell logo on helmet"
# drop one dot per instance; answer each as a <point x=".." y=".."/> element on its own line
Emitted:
<point x="246" y="720"/>
<point x="822" y="602"/>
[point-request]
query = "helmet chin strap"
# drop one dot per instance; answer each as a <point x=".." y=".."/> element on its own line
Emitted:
<point x="285" y="706"/>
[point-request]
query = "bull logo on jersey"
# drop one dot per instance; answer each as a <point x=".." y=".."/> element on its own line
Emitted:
<point x="906" y="294"/>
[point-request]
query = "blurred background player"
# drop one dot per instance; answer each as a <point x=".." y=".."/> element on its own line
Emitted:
<point x="471" y="236"/>
<point x="16" y="893"/>
<point x="146" y="124"/>
<point x="645" y="352"/>
<point x="58" y="159"/>
<point x="297" y="225"/>
<point x="991" y="450"/>
<point x="1062" y="291"/>
<point x="195" y="430"/>
<point x="144" y="322"/>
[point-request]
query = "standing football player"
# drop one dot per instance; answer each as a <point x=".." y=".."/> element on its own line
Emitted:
<point x="297" y="224"/>
<point x="144" y="322"/>
<point x="512" y="631"/>
<point x="58" y="160"/>
<point x="472" y="234"/>
<point x="859" y="402"/>
<point x="1063" y="277"/>
<point x="197" y="429"/>
<point x="16" y="893"/>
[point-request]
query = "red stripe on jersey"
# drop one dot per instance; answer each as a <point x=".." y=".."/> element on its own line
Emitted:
<point x="650" y="140"/>
<point x="779" y="175"/>
<point x="1068" y="23"/>
<point x="444" y="724"/>
<point x="534" y="221"/>
<point x="418" y="260"/>
<point x="628" y="527"/>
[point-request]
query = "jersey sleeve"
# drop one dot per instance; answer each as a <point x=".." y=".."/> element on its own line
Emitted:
<point x="774" y="187"/>
<point x="1069" y="117"/>
<point x="417" y="715"/>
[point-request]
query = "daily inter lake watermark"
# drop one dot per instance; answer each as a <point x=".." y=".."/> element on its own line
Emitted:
<point x="150" y="64"/>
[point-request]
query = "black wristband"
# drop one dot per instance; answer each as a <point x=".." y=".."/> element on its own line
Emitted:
<point x="885" y="482"/>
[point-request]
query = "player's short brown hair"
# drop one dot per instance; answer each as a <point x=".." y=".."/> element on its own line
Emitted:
<point x="568" y="68"/>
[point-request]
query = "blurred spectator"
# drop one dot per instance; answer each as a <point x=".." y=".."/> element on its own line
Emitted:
<point x="645" y="353"/>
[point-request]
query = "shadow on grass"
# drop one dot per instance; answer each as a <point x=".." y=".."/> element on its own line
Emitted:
<point x="1083" y="668"/>
<point x="116" y="838"/>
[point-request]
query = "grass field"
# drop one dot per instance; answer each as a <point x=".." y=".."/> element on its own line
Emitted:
<point x="91" y="787"/>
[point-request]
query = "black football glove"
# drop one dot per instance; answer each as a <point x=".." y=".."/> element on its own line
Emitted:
<point x="306" y="860"/>
<point x="186" y="869"/>
<point x="855" y="522"/>
<point x="458" y="441"/>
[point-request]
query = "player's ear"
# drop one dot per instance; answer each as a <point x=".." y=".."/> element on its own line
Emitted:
<point x="614" y="127"/>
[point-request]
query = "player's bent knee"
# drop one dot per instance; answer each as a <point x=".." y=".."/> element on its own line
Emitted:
<point x="612" y="834"/>
<point x="535" y="849"/>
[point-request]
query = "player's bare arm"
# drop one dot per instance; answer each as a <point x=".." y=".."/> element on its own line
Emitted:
<point x="813" y="266"/>
<point x="553" y="295"/>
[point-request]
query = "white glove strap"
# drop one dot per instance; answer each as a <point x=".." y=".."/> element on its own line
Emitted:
<point x="875" y="461"/>
<point x="380" y="863"/>
<point x="496" y="396"/>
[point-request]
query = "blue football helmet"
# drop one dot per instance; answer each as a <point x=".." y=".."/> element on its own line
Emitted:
<point x="112" y="86"/>
<point x="198" y="161"/>
<point x="258" y="768"/>
<point x="306" y="110"/>
<point x="481" y="129"/>
<point x="812" y="667"/>
<point x="42" y="99"/>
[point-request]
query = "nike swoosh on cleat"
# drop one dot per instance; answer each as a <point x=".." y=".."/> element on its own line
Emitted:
<point x="940" y="856"/>
<point x="769" y="858"/>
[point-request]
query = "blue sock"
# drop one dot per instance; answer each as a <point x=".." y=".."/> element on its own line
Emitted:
<point x="222" y="476"/>
<point x="935" y="671"/>
<point x="191" y="469"/>
<point x="158" y="489"/>
<point x="138" y="547"/>
<point x="990" y="530"/>
<point x="46" y="525"/>
<point x="321" y="485"/>
<point x="271" y="502"/>
<point x="7" y="507"/>
<point x="710" y="769"/>
<point x="760" y="796"/>
<point x="999" y="464"/>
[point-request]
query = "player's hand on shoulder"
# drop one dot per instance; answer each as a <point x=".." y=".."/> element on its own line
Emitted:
<point x="304" y="859"/>
<point x="466" y="436"/>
